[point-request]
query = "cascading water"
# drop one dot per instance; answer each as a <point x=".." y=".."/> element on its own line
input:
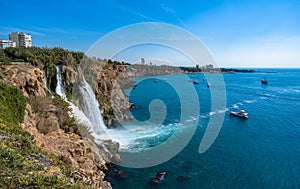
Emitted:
<point x="45" y="82"/>
<point x="90" y="114"/>
<point x="90" y="107"/>
<point x="59" y="87"/>
<point x="76" y="113"/>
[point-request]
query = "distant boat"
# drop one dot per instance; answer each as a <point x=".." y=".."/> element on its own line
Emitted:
<point x="196" y="82"/>
<point x="264" y="81"/>
<point x="155" y="81"/>
<point x="208" y="84"/>
<point x="203" y="79"/>
<point x="241" y="114"/>
<point x="192" y="76"/>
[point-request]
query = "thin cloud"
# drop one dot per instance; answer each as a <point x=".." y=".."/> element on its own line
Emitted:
<point x="121" y="6"/>
<point x="171" y="11"/>
<point x="51" y="30"/>
<point x="168" y="9"/>
<point x="144" y="16"/>
<point x="15" y="29"/>
<point x="74" y="32"/>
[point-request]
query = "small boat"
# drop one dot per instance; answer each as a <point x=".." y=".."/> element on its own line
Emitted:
<point x="195" y="82"/>
<point x="208" y="84"/>
<point x="155" y="81"/>
<point x="203" y="79"/>
<point x="159" y="177"/>
<point x="264" y="81"/>
<point x="241" y="114"/>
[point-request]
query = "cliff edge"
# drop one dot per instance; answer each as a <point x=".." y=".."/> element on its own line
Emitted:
<point x="54" y="132"/>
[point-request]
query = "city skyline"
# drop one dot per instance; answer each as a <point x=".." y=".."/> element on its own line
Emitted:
<point x="238" y="33"/>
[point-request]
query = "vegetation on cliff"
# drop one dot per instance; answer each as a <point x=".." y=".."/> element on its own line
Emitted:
<point x="44" y="58"/>
<point x="47" y="59"/>
<point x="22" y="163"/>
<point x="12" y="104"/>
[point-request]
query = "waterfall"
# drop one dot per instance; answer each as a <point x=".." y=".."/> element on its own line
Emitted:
<point x="60" y="86"/>
<point x="90" y="114"/>
<point x="76" y="113"/>
<point x="90" y="107"/>
<point x="45" y="82"/>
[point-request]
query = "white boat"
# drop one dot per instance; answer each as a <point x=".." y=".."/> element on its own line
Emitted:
<point x="241" y="114"/>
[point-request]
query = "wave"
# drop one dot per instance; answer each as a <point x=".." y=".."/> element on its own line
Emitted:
<point x="192" y="118"/>
<point x="237" y="105"/>
<point x="250" y="101"/>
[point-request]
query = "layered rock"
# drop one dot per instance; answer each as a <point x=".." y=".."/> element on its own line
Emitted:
<point x="80" y="153"/>
<point x="113" y="102"/>
<point x="47" y="119"/>
<point x="108" y="82"/>
<point x="28" y="78"/>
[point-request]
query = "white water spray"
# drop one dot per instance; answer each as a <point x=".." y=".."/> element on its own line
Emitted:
<point x="45" y="82"/>
<point x="89" y="114"/>
<point x="80" y="117"/>
<point x="59" y="87"/>
<point x="90" y="107"/>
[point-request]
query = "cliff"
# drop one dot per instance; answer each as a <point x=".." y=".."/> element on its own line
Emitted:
<point x="48" y="120"/>
<point x="110" y="84"/>
<point x="28" y="78"/>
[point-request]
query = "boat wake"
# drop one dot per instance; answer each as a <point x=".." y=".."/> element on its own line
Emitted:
<point x="250" y="101"/>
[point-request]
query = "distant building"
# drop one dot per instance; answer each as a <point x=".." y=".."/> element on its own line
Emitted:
<point x="21" y="39"/>
<point x="6" y="43"/>
<point x="209" y="66"/>
<point x="142" y="61"/>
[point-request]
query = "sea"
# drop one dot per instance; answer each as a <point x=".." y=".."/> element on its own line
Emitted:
<point x="260" y="152"/>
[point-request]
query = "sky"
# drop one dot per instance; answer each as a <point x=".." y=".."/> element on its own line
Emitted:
<point x="238" y="33"/>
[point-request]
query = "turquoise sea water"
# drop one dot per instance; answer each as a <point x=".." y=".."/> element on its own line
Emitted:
<point x="261" y="152"/>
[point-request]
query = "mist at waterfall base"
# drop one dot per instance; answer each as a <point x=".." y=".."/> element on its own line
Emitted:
<point x="261" y="152"/>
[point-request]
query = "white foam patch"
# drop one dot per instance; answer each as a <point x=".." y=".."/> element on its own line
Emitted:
<point x="235" y="106"/>
<point x="218" y="112"/>
<point x="136" y="138"/>
<point x="250" y="101"/>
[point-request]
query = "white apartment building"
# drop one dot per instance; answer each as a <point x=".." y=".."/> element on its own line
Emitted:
<point x="21" y="39"/>
<point x="6" y="43"/>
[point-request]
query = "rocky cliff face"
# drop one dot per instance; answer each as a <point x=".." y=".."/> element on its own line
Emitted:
<point x="48" y="120"/>
<point x="28" y="78"/>
<point x="108" y="83"/>
<point x="113" y="102"/>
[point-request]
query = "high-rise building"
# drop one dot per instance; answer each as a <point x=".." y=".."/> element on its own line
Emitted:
<point x="142" y="61"/>
<point x="21" y="39"/>
<point x="6" y="43"/>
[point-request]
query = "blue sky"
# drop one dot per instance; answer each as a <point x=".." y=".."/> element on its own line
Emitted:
<point x="238" y="33"/>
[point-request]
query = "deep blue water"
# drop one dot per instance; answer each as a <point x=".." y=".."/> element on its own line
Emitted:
<point x="261" y="152"/>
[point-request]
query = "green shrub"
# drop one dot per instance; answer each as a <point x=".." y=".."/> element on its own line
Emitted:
<point x="12" y="104"/>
